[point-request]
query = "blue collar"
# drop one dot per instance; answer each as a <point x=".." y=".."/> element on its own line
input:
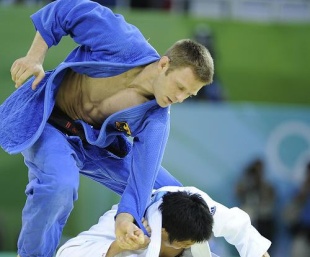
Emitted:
<point x="156" y="197"/>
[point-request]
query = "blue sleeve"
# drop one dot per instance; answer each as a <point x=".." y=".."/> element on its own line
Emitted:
<point x="164" y="178"/>
<point x="91" y="25"/>
<point x="147" y="154"/>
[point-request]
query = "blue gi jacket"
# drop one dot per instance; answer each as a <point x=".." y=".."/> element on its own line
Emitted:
<point x="108" y="46"/>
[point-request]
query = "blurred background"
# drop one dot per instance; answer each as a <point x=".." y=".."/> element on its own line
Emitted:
<point x="245" y="139"/>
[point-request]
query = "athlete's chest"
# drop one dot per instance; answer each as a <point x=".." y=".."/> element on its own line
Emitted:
<point x="112" y="94"/>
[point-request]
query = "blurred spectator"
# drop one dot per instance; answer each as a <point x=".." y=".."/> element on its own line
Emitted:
<point x="214" y="91"/>
<point x="154" y="4"/>
<point x="257" y="197"/>
<point x="108" y="3"/>
<point x="162" y="4"/>
<point x="297" y="218"/>
<point x="139" y="4"/>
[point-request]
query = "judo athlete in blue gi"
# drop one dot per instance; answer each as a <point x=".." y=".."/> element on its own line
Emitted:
<point x="103" y="113"/>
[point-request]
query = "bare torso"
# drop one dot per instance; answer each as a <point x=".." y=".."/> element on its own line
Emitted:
<point x="94" y="99"/>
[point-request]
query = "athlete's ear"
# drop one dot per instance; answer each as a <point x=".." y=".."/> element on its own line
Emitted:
<point x="164" y="234"/>
<point x="163" y="62"/>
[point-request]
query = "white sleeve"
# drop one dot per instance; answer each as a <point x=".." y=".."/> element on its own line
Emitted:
<point x="94" y="242"/>
<point x="234" y="225"/>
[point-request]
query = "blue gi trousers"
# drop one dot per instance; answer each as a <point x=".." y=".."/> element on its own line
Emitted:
<point x="55" y="162"/>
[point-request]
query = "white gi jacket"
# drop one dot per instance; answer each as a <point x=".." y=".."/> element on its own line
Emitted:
<point x="231" y="223"/>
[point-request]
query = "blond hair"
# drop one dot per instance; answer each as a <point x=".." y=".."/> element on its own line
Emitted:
<point x="189" y="53"/>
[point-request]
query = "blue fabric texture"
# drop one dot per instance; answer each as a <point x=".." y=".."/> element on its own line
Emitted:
<point x="108" y="46"/>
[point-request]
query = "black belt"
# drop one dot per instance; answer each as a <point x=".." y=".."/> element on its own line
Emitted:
<point x="65" y="124"/>
<point x="70" y="127"/>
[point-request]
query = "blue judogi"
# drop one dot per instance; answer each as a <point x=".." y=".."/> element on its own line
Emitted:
<point x="108" y="46"/>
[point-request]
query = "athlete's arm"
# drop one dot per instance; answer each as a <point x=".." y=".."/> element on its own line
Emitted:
<point x="114" y="250"/>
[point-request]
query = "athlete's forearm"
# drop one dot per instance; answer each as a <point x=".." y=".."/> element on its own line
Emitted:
<point x="145" y="167"/>
<point x="114" y="250"/>
<point x="38" y="49"/>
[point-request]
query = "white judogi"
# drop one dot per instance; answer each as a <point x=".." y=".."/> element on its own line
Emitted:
<point x="231" y="223"/>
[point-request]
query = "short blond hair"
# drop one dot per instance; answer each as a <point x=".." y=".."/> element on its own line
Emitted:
<point x="189" y="53"/>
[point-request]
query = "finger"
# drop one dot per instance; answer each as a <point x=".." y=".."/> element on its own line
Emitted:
<point x="37" y="80"/>
<point x="122" y="243"/>
<point x="127" y="243"/>
<point x="147" y="240"/>
<point x="14" y="69"/>
<point x="128" y="238"/>
<point x="139" y="236"/>
<point x="133" y="242"/>
<point x="132" y="238"/>
<point x="134" y="231"/>
<point x="13" y="66"/>
<point x="22" y="78"/>
<point x="148" y="229"/>
<point x="144" y="222"/>
<point x="19" y="74"/>
<point x="132" y="245"/>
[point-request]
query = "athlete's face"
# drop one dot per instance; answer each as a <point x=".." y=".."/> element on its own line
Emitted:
<point x="175" y="244"/>
<point x="175" y="87"/>
<point x="179" y="244"/>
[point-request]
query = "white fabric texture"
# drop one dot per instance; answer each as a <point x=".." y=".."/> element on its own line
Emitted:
<point x="153" y="217"/>
<point x="231" y="223"/>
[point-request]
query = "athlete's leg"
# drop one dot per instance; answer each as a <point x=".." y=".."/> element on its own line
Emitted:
<point x="106" y="168"/>
<point x="52" y="189"/>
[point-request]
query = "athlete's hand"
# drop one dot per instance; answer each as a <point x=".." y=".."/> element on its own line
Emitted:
<point x="31" y="64"/>
<point x="128" y="235"/>
<point x="266" y="254"/>
<point x="25" y="67"/>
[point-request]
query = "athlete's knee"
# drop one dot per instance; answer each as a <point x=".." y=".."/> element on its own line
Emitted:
<point x="63" y="190"/>
<point x="53" y="192"/>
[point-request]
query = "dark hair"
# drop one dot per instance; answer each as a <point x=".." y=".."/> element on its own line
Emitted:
<point x="186" y="216"/>
<point x="189" y="53"/>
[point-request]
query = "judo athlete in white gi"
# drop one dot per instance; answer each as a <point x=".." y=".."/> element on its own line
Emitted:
<point x="165" y="216"/>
